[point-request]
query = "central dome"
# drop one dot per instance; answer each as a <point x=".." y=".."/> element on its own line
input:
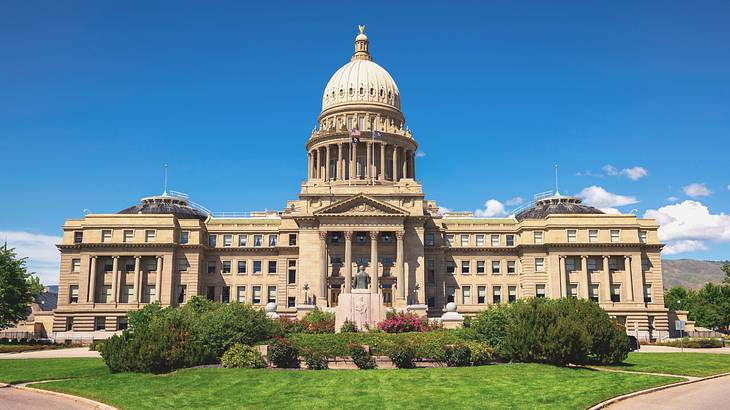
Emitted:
<point x="361" y="81"/>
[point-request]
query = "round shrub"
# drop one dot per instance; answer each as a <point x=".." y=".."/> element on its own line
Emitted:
<point x="282" y="353"/>
<point x="362" y="357"/>
<point x="316" y="361"/>
<point x="404" y="322"/>
<point x="481" y="353"/>
<point x="348" y="326"/>
<point x="458" y="355"/>
<point x="403" y="356"/>
<point x="319" y="321"/>
<point x="491" y="325"/>
<point x="243" y="356"/>
<point x="221" y="325"/>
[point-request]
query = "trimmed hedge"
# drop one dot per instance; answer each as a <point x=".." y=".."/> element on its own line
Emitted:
<point x="243" y="356"/>
<point x="693" y="343"/>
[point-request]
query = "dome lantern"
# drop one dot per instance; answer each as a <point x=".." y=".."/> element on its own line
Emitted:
<point x="361" y="46"/>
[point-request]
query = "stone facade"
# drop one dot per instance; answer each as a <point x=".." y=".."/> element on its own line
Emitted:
<point x="360" y="205"/>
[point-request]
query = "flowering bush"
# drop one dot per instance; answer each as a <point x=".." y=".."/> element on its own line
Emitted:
<point x="282" y="353"/>
<point x="318" y="321"/>
<point x="404" y="322"/>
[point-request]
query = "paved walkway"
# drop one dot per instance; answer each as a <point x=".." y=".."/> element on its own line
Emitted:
<point x="667" y="349"/>
<point x="53" y="353"/>
<point x="16" y="399"/>
<point x="708" y="394"/>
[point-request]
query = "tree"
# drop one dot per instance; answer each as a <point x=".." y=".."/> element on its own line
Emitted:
<point x="17" y="288"/>
<point x="726" y="269"/>
<point x="679" y="298"/>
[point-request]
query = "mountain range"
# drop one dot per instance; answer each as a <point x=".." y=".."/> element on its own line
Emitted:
<point x="691" y="273"/>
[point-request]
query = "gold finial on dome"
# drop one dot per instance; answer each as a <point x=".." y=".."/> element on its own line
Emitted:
<point x="361" y="45"/>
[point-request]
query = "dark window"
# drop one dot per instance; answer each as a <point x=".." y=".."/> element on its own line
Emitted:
<point x="211" y="293"/>
<point x="431" y="301"/>
<point x="272" y="266"/>
<point x="122" y="323"/>
<point x="256" y="266"/>
<point x="450" y="266"/>
<point x="129" y="267"/>
<point x="431" y="276"/>
<point x="181" y="293"/>
<point x="108" y="266"/>
<point x="226" y="266"/>
<point x="100" y="323"/>
<point x="211" y="267"/>
<point x="292" y="239"/>
<point x="615" y="298"/>
<point x="184" y="237"/>
<point x="212" y="241"/>
<point x="292" y="273"/>
<point x="226" y="294"/>
<point x="291" y="301"/>
<point x="335" y="237"/>
<point x="78" y="237"/>
<point x="360" y="237"/>
<point x="510" y="240"/>
<point x="241" y="266"/>
<point x="69" y="324"/>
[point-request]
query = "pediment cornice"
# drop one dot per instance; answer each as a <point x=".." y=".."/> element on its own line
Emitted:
<point x="361" y="205"/>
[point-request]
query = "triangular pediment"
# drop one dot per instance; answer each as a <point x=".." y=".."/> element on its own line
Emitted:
<point x="361" y="205"/>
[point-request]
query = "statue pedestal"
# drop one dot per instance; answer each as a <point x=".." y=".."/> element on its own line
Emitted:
<point x="360" y="306"/>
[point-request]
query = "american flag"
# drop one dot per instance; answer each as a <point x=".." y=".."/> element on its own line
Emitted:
<point x="377" y="134"/>
<point x="355" y="135"/>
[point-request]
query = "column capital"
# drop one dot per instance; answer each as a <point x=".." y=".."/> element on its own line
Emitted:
<point x="400" y="234"/>
<point x="374" y="235"/>
<point x="606" y="256"/>
<point x="323" y="235"/>
<point x="348" y="235"/>
<point x="584" y="257"/>
<point x="562" y="256"/>
<point x="115" y="256"/>
<point x="627" y="257"/>
<point x="137" y="256"/>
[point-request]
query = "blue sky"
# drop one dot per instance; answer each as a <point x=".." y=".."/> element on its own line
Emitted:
<point x="96" y="96"/>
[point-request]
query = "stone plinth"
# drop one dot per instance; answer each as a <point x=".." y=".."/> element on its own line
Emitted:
<point x="452" y="319"/>
<point x="362" y="307"/>
<point x="302" y="310"/>
<point x="418" y="310"/>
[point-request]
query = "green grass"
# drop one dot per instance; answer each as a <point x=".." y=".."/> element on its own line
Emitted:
<point x="687" y="364"/>
<point x="26" y="370"/>
<point x="498" y="386"/>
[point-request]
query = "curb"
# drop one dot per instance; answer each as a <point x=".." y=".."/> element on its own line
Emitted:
<point x="77" y="399"/>
<point x="614" y="400"/>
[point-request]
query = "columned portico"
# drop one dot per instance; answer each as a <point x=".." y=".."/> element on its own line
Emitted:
<point x="374" y="261"/>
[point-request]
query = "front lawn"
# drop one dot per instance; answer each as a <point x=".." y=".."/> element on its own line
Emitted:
<point x="26" y="370"/>
<point x="687" y="364"/>
<point x="27" y="348"/>
<point x="497" y="386"/>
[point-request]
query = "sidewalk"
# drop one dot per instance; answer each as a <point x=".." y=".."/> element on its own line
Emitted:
<point x="54" y="353"/>
<point x="667" y="349"/>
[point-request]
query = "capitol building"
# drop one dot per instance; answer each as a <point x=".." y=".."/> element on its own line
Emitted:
<point x="361" y="206"/>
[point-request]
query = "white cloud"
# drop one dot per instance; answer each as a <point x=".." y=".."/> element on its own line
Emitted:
<point x="599" y="197"/>
<point x="728" y="187"/>
<point x="672" y="199"/>
<point x="43" y="256"/>
<point x="492" y="208"/>
<point x="514" y="201"/>
<point x="443" y="210"/>
<point x="686" y="226"/>
<point x="611" y="210"/>
<point x="632" y="173"/>
<point x="696" y="189"/>
<point x="420" y="154"/>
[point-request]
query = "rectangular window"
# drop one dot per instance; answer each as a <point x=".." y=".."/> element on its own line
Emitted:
<point x="242" y="240"/>
<point x="212" y="240"/>
<point x="466" y="295"/>
<point x="511" y="294"/>
<point x="612" y="263"/>
<point x="593" y="293"/>
<point x="292" y="239"/>
<point x="73" y="292"/>
<point x="291" y="277"/>
<point x="361" y="237"/>
<point x="539" y="264"/>
<point x="511" y="267"/>
<point x="150" y="264"/>
<point x="450" y="240"/>
<point x="386" y="237"/>
<point x="256" y="267"/>
<point x="647" y="293"/>
<point x="510" y="240"/>
<point x="211" y="293"/>
<point x="573" y="290"/>
<point x="127" y="294"/>
<point x="257" y="295"/>
<point x="496" y="294"/>
<point x="182" y="265"/>
<point x="569" y="264"/>
<point x="226" y="267"/>
<point x="75" y="265"/>
<point x="211" y="267"/>
<point x="465" y="266"/>
<point x="227" y="240"/>
<point x="226" y="294"/>
<point x="480" y="267"/>
<point x="106" y="235"/>
<point x="181" y="290"/>
<point x="335" y="237"/>
<point x="615" y="235"/>
<point x="495" y="240"/>
<point x="450" y="294"/>
<point x="272" y="266"/>
<point x="593" y="235"/>
<point x="106" y="294"/>
<point x="184" y="237"/>
<point x="572" y="235"/>
<point x="481" y="294"/>
<point x="128" y="235"/>
<point x="129" y="266"/>
<point x="430" y="272"/>
<point x="429" y="239"/>
<point x="273" y="240"/>
<point x="540" y="291"/>
<point x="78" y="238"/>
<point x="496" y="267"/>
<point x="100" y="323"/>
<point x="450" y="267"/>
<point x="241" y="268"/>
<point x="642" y="236"/>
<point x="241" y="294"/>
<point x="150" y="235"/>
<point x="271" y="292"/>
<point x="108" y="265"/>
<point x="615" y="293"/>
<point x="291" y="302"/>
<point x="464" y="240"/>
<point x="150" y="294"/>
<point x="69" y="324"/>
<point x="538" y="236"/>
<point x="480" y="240"/>
<point x="122" y="323"/>
<point x="592" y="264"/>
<point x="645" y="264"/>
<point x="257" y="239"/>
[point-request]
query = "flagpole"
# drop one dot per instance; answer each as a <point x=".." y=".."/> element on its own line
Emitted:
<point x="372" y="151"/>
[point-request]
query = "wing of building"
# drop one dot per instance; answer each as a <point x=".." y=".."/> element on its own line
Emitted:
<point x="361" y="205"/>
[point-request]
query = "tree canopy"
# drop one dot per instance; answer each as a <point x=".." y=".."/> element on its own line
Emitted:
<point x="18" y="287"/>
<point x="709" y="306"/>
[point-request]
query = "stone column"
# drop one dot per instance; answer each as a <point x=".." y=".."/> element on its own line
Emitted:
<point x="584" y="278"/>
<point x="404" y="173"/>
<point x="563" y="277"/>
<point x="399" y="265"/>
<point x="137" y="262"/>
<point x="323" y="266"/>
<point x="322" y="165"/>
<point x="115" y="276"/>
<point x="348" y="262"/>
<point x="637" y="272"/>
<point x="374" y="275"/>
<point x="381" y="174"/>
<point x="158" y="279"/>
<point x="340" y="162"/>
<point x="395" y="163"/>
<point x="92" y="281"/>
<point x="413" y="166"/>
<point x="605" y="286"/>
<point x="309" y="164"/>
<point x="629" y="282"/>
<point x="369" y="158"/>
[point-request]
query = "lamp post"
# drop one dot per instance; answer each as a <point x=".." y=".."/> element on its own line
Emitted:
<point x="306" y="298"/>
